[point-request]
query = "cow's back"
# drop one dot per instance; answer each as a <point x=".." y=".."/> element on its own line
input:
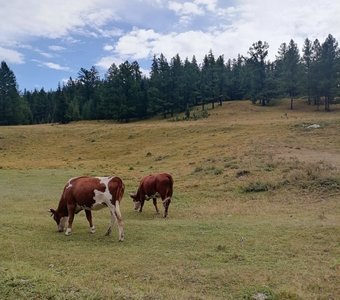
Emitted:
<point x="82" y="189"/>
<point x="160" y="183"/>
<point x="164" y="183"/>
<point x="116" y="188"/>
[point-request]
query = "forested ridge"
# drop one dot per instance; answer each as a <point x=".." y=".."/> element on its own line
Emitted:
<point x="176" y="85"/>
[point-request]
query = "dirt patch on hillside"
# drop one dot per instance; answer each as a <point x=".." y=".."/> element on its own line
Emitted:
<point x="309" y="156"/>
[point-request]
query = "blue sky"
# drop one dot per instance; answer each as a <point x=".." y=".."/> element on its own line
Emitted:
<point x="47" y="41"/>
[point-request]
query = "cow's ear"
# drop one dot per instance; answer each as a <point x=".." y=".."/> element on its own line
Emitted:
<point x="52" y="211"/>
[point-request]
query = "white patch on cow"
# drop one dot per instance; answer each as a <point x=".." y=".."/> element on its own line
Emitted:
<point x="79" y="208"/>
<point x="166" y="199"/>
<point x="68" y="231"/>
<point x="62" y="223"/>
<point x="157" y="195"/>
<point x="92" y="229"/>
<point x="69" y="184"/>
<point x="102" y="197"/>
<point x="119" y="214"/>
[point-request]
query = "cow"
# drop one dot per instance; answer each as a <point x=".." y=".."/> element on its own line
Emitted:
<point x="90" y="193"/>
<point x="154" y="186"/>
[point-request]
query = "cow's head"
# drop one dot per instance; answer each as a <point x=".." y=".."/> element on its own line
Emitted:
<point x="61" y="221"/>
<point x="136" y="201"/>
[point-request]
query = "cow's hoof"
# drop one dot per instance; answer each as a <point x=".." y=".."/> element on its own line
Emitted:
<point x="92" y="229"/>
<point x="68" y="231"/>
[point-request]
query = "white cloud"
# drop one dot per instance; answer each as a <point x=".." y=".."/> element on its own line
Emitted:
<point x="279" y="21"/>
<point x="106" y="61"/>
<point x="108" y="47"/>
<point x="108" y="33"/>
<point x="11" y="56"/>
<point x="210" y="4"/>
<point x="252" y="20"/>
<point x="55" y="66"/>
<point x="45" y="54"/>
<point x="56" y="48"/>
<point x="157" y="27"/>
<point x="186" y="8"/>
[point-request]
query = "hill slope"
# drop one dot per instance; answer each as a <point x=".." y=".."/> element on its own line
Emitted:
<point x="255" y="210"/>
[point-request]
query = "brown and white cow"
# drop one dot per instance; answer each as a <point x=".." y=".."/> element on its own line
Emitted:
<point x="90" y="193"/>
<point x="154" y="186"/>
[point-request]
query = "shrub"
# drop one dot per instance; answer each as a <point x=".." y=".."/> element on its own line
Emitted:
<point x="255" y="187"/>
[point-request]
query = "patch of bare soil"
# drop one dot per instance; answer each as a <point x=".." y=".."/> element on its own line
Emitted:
<point x="309" y="156"/>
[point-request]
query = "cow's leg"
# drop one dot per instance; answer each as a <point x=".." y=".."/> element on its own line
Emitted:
<point x="115" y="217"/>
<point x="89" y="218"/>
<point x="154" y="200"/>
<point x="166" y="203"/>
<point x="71" y="210"/>
<point x="120" y="228"/>
<point x="141" y="205"/>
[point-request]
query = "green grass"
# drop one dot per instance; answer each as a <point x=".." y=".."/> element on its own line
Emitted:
<point x="226" y="237"/>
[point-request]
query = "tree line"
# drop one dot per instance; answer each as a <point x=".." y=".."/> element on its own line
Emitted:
<point x="175" y="86"/>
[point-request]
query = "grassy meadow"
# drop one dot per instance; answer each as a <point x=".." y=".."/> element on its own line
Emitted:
<point x="255" y="212"/>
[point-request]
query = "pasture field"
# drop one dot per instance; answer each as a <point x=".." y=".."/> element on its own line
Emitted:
<point x="255" y="212"/>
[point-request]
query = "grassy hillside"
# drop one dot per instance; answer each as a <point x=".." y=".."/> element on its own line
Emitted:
<point x="255" y="211"/>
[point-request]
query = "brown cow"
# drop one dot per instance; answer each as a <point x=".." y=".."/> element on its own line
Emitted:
<point x="90" y="193"/>
<point x="154" y="186"/>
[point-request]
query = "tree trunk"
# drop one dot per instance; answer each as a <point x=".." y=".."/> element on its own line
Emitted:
<point x="327" y="99"/>
<point x="291" y="103"/>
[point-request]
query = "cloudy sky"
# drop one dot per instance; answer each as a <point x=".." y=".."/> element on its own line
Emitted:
<point x="46" y="42"/>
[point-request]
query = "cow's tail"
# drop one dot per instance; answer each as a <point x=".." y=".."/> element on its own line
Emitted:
<point x="119" y="197"/>
<point x="170" y="191"/>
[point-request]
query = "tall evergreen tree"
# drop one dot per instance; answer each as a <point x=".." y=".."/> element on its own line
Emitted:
<point x="192" y="75"/>
<point x="290" y="71"/>
<point x="10" y="113"/>
<point x="111" y="92"/>
<point x="307" y="63"/>
<point x="61" y="106"/>
<point x="315" y="72"/>
<point x="160" y="87"/>
<point x="209" y="79"/>
<point x="88" y="82"/>
<point x="258" y="53"/>
<point x="329" y="70"/>
<point x="221" y="74"/>
<point x="177" y="84"/>
<point x="239" y="79"/>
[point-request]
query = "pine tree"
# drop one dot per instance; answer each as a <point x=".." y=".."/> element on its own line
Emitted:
<point x="328" y="68"/>
<point x="290" y="70"/>
<point x="191" y="83"/>
<point x="61" y="106"/>
<point x="160" y="85"/>
<point x="209" y="77"/>
<point x="88" y="83"/>
<point x="316" y="72"/>
<point x="177" y="84"/>
<point x="10" y="113"/>
<point x="258" y="53"/>
<point x="307" y="63"/>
